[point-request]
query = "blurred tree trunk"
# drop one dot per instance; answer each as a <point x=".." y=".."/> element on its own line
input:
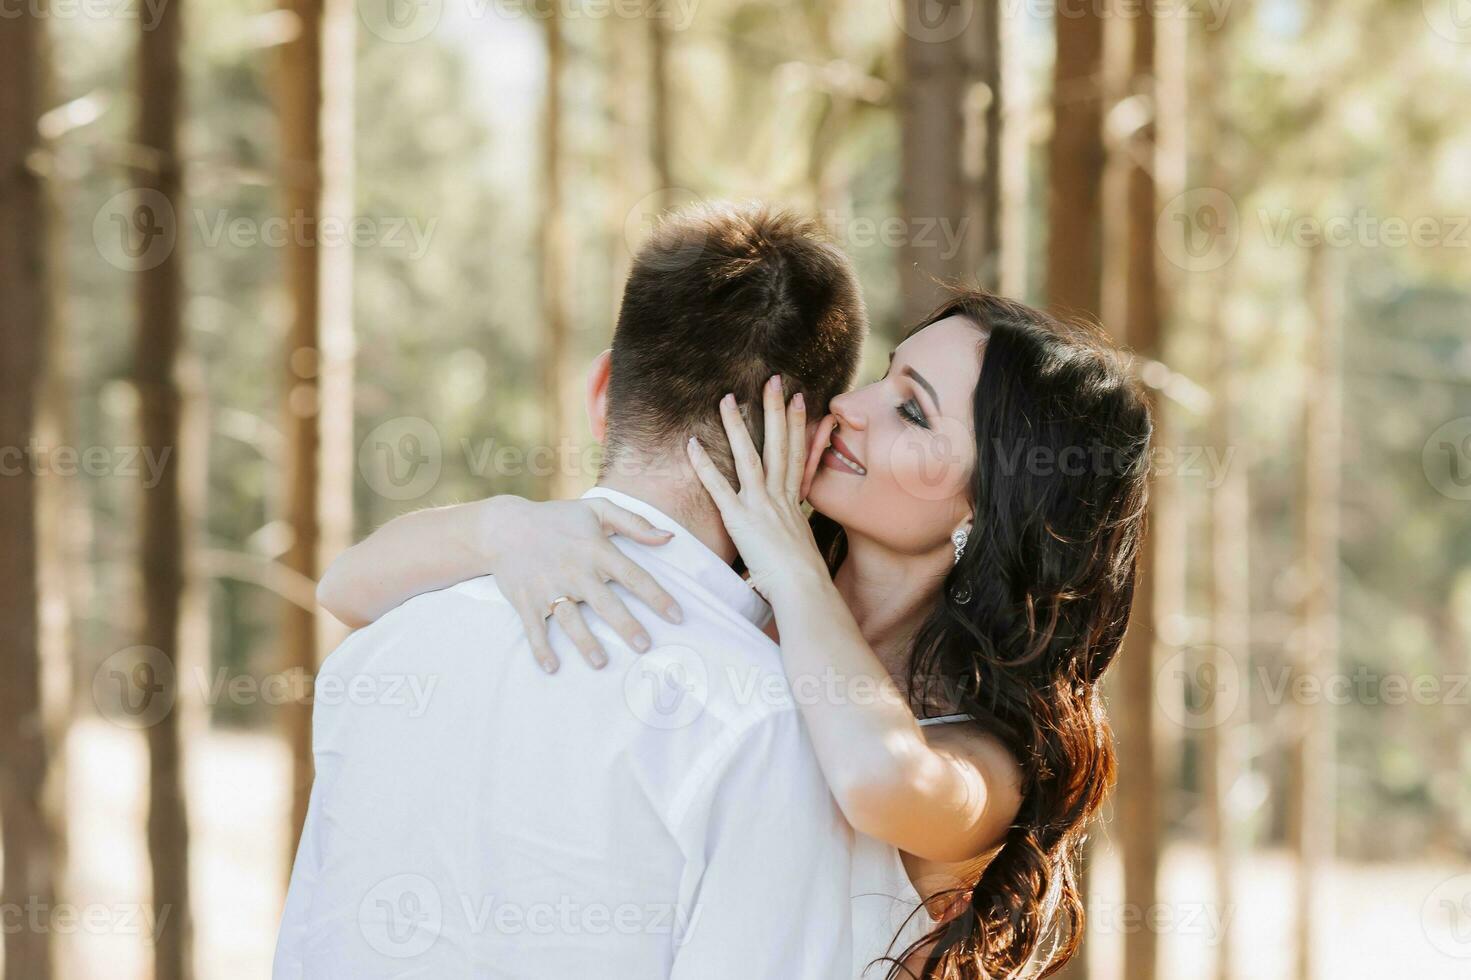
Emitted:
<point x="949" y="117"/>
<point x="659" y="125"/>
<point x="299" y="98"/>
<point x="981" y="158"/>
<point x="1017" y="118"/>
<point x="29" y="872"/>
<point x="1076" y="161"/>
<point x="628" y="163"/>
<point x="1228" y="661"/>
<point x="316" y="108"/>
<point x="63" y="520"/>
<point x="556" y="346"/>
<point x="1227" y="665"/>
<point x="338" y="351"/>
<point x="1075" y="229"/>
<point x="193" y="454"/>
<point x="1449" y="785"/>
<point x="1311" y="818"/>
<point x="1138" y="815"/>
<point x="825" y="188"/>
<point x="159" y="339"/>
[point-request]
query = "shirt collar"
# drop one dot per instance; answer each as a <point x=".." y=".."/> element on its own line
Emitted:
<point x="690" y="555"/>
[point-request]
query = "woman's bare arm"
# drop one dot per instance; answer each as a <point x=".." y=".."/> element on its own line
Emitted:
<point x="414" y="553"/>
<point x="537" y="551"/>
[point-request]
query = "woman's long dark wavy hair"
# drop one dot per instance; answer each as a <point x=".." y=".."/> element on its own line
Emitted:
<point x="1030" y="618"/>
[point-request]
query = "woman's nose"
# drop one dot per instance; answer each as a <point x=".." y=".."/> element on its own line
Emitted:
<point x="849" y="410"/>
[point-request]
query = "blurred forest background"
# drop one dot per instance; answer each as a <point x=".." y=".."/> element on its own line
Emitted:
<point x="271" y="275"/>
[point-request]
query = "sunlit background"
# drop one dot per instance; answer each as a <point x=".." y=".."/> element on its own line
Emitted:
<point x="274" y="275"/>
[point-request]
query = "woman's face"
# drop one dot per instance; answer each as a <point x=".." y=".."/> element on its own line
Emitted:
<point x="896" y="456"/>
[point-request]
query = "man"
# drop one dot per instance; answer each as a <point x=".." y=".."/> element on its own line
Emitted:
<point x="663" y="818"/>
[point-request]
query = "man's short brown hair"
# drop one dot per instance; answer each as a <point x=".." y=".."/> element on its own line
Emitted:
<point x="719" y="299"/>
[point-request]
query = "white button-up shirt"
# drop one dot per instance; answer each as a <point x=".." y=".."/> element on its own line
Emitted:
<point x="662" y="817"/>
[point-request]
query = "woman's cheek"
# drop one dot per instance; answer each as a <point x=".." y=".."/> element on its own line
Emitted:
<point x="927" y="467"/>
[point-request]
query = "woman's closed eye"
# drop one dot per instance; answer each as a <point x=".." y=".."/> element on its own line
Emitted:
<point x="909" y="410"/>
<point x="912" y="414"/>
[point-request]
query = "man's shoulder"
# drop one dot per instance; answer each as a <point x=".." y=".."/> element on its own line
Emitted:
<point x="702" y="691"/>
<point x="446" y="606"/>
<point x="706" y="704"/>
<point x="441" y="616"/>
<point x="724" y="654"/>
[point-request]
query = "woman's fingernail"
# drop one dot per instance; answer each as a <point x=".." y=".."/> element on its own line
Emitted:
<point x="641" y="642"/>
<point x="675" y="614"/>
<point x="548" y="666"/>
<point x="729" y="399"/>
<point x="599" y="660"/>
<point x="663" y="533"/>
<point x="798" y="401"/>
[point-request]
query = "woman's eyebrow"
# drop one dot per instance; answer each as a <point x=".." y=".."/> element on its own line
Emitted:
<point x="919" y="379"/>
<point x="911" y="372"/>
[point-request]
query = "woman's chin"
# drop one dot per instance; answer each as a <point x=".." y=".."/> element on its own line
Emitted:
<point x="828" y="499"/>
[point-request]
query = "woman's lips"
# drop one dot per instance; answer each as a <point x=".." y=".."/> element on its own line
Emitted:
<point x="815" y="450"/>
<point x="837" y="456"/>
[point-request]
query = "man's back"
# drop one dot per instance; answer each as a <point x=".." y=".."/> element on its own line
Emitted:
<point x="472" y="817"/>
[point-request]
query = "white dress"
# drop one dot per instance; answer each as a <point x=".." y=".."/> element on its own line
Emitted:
<point x="887" y="913"/>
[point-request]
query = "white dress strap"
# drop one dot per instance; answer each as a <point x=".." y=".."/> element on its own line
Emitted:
<point x="944" y="719"/>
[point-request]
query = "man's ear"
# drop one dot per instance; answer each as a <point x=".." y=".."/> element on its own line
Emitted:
<point x="597" y="394"/>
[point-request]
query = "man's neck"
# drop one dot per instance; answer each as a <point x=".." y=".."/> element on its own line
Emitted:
<point x="681" y="496"/>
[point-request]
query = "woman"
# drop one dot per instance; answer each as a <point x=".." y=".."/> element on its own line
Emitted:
<point x="984" y="599"/>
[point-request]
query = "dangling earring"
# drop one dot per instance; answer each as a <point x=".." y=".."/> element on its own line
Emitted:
<point x="961" y="592"/>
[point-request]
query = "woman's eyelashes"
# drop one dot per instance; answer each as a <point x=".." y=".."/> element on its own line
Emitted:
<point x="911" y="413"/>
<point x="909" y="410"/>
